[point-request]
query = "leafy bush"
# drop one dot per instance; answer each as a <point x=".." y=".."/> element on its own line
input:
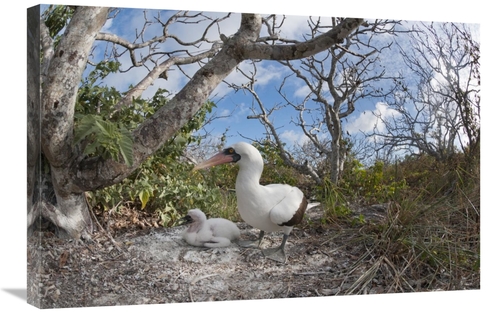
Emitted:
<point x="164" y="183"/>
<point x="56" y="17"/>
<point x="275" y="170"/>
<point x="376" y="184"/>
<point x="104" y="138"/>
<point x="333" y="200"/>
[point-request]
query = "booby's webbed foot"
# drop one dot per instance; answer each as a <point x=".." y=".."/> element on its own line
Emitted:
<point x="276" y="254"/>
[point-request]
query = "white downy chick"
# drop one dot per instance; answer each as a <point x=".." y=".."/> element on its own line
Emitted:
<point x="211" y="233"/>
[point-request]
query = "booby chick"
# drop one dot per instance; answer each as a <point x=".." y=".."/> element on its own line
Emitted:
<point x="211" y="233"/>
<point x="269" y="208"/>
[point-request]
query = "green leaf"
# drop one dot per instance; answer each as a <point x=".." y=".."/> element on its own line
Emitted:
<point x="91" y="148"/>
<point x="144" y="197"/>
<point x="108" y="136"/>
<point x="108" y="129"/>
<point x="126" y="146"/>
<point x="85" y="127"/>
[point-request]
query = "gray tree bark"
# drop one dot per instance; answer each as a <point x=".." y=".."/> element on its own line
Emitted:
<point x="33" y="107"/>
<point x="54" y="123"/>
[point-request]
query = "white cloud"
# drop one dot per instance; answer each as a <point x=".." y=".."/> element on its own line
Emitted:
<point x="368" y="120"/>
<point x="302" y="92"/>
<point x="225" y="112"/>
<point x="294" y="137"/>
<point x="267" y="73"/>
<point x="107" y="25"/>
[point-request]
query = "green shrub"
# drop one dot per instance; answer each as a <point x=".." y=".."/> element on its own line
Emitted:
<point x="376" y="184"/>
<point x="164" y="183"/>
<point x="333" y="200"/>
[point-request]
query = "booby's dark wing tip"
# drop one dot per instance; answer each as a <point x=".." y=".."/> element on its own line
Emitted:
<point x="299" y="214"/>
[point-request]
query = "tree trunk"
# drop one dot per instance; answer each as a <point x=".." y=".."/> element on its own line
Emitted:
<point x="50" y="122"/>
<point x="335" y="159"/>
<point x="33" y="107"/>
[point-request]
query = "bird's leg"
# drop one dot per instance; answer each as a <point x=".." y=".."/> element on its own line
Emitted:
<point x="252" y="243"/>
<point x="277" y="253"/>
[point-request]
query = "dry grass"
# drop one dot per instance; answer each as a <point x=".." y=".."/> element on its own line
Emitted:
<point x="425" y="243"/>
<point x="429" y="238"/>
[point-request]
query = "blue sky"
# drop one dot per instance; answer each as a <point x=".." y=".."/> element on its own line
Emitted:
<point x="237" y="105"/>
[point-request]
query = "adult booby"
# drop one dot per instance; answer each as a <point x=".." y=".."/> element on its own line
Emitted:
<point x="211" y="233"/>
<point x="269" y="208"/>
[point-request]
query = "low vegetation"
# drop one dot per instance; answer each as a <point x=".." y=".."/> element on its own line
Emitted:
<point x="429" y="233"/>
<point x="429" y="236"/>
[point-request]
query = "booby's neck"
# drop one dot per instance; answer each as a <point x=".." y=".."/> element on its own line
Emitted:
<point x="249" y="173"/>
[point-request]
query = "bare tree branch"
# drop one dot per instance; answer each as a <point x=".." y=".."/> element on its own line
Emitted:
<point x="443" y="110"/>
<point x="335" y="79"/>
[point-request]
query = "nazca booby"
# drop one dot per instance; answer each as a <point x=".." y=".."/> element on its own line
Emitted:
<point x="269" y="208"/>
<point x="211" y="233"/>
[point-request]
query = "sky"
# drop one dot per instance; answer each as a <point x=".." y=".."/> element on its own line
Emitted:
<point x="13" y="130"/>
<point x="235" y="107"/>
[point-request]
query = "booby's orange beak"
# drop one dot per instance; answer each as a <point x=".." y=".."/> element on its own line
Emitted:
<point x="219" y="158"/>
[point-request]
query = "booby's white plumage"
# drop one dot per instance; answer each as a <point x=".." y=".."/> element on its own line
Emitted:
<point x="211" y="233"/>
<point x="270" y="208"/>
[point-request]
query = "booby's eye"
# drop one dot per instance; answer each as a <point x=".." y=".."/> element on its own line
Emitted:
<point x="231" y="152"/>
